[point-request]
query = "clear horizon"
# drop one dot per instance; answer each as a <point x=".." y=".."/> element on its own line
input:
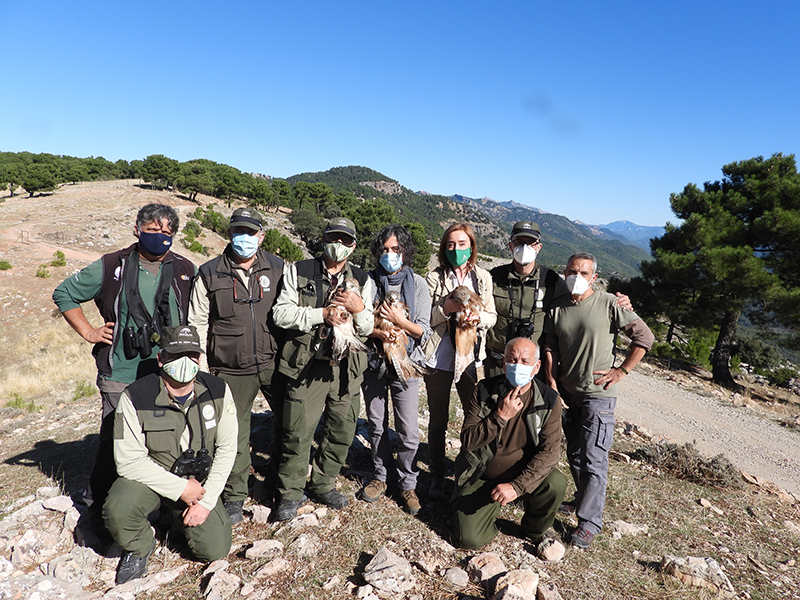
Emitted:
<point x="597" y="113"/>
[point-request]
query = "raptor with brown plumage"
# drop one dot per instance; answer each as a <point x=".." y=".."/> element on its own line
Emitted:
<point x="466" y="323"/>
<point x="394" y="349"/>
<point x="345" y="339"/>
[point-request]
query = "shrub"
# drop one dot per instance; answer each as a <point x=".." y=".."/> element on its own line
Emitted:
<point x="18" y="402"/>
<point x="280" y="244"/>
<point x="779" y="377"/>
<point x="4" y="265"/>
<point x="60" y="259"/>
<point x="198" y="248"/>
<point x="83" y="389"/>
<point x="686" y="462"/>
<point x="42" y="272"/>
<point x="193" y="228"/>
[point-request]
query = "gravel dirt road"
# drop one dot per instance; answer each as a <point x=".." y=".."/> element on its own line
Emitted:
<point x="751" y="441"/>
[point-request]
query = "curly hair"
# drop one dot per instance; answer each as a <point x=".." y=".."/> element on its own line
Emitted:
<point x="404" y="240"/>
<point x="150" y="213"/>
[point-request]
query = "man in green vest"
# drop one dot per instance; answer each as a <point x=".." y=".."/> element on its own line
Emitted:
<point x="231" y="307"/>
<point x="309" y="307"/>
<point x="174" y="443"/>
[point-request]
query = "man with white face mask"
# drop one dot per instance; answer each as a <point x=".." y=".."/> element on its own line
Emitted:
<point x="580" y="336"/>
<point x="174" y="444"/>
<point x="523" y="292"/>
<point x="510" y="444"/>
<point x="308" y="306"/>
<point x="231" y="307"/>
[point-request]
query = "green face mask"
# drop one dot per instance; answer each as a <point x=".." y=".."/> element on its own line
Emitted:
<point x="337" y="251"/>
<point x="458" y="257"/>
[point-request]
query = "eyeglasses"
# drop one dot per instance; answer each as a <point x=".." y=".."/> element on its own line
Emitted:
<point x="249" y="300"/>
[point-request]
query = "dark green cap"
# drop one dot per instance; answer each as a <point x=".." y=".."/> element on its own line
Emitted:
<point x="526" y="229"/>
<point x="341" y="225"/>
<point x="180" y="339"/>
<point x="247" y="217"/>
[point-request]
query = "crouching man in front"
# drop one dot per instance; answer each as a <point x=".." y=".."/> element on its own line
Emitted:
<point x="174" y="442"/>
<point x="510" y="443"/>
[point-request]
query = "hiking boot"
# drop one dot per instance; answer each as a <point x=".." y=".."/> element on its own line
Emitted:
<point x="410" y="501"/>
<point x="548" y="547"/>
<point x="436" y="489"/>
<point x="581" y="538"/>
<point x="132" y="566"/>
<point x="567" y="508"/>
<point x="331" y="498"/>
<point x="234" y="510"/>
<point x="373" y="490"/>
<point x="287" y="509"/>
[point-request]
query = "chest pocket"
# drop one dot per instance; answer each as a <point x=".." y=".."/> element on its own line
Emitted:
<point x="162" y="438"/>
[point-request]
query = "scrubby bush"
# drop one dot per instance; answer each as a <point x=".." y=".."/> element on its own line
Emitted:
<point x="280" y="244"/>
<point x="83" y="389"/>
<point x="4" y="265"/>
<point x="17" y="401"/>
<point x="42" y="272"/>
<point x="686" y="462"/>
<point x="60" y="259"/>
<point x="193" y="228"/>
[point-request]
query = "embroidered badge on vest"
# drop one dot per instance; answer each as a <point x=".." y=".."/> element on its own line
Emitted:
<point x="264" y="281"/>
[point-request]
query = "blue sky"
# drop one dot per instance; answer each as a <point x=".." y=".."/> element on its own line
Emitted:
<point x="594" y="110"/>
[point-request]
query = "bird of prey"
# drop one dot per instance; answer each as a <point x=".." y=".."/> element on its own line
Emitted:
<point x="395" y="348"/>
<point x="465" y="324"/>
<point x="345" y="340"/>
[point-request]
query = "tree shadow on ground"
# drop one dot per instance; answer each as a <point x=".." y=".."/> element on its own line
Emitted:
<point x="68" y="463"/>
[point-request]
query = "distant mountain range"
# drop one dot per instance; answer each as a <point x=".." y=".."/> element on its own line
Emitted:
<point x="492" y="221"/>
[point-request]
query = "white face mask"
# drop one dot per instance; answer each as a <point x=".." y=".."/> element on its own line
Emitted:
<point x="182" y="369"/>
<point x="524" y="254"/>
<point x="577" y="285"/>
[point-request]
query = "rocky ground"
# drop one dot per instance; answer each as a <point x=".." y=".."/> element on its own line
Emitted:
<point x="741" y="540"/>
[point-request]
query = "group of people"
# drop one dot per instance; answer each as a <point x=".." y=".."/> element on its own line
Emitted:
<point x="175" y="436"/>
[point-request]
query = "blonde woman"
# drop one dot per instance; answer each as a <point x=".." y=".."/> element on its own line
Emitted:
<point x="458" y="266"/>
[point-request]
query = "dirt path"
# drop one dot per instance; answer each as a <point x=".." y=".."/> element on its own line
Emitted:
<point x="749" y="440"/>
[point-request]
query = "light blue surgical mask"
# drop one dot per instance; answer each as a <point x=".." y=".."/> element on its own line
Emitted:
<point x="391" y="261"/>
<point x="244" y="245"/>
<point x="519" y="374"/>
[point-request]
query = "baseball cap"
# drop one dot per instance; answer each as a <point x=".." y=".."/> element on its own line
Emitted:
<point x="526" y="229"/>
<point x="180" y="339"/>
<point x="247" y="217"/>
<point x="341" y="225"/>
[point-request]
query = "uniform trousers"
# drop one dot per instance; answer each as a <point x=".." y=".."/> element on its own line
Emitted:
<point x="589" y="428"/>
<point x="475" y="520"/>
<point x="126" y="509"/>
<point x="244" y="389"/>
<point x="325" y="390"/>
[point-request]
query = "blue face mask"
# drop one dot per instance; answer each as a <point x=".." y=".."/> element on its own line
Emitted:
<point x="154" y="244"/>
<point x="519" y="374"/>
<point x="244" y="245"/>
<point x="391" y="261"/>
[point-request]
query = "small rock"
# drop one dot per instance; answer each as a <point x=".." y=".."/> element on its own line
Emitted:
<point x="707" y="504"/>
<point x="247" y="589"/>
<point x="457" y="577"/>
<point x="47" y="492"/>
<point x="698" y="572"/>
<point x="483" y="567"/>
<point x="262" y="548"/>
<point x="217" y="565"/>
<point x="307" y="545"/>
<point x="221" y="585"/>
<point x="519" y="584"/>
<point x="792" y="526"/>
<point x="272" y="567"/>
<point x="624" y="528"/>
<point x="261" y="514"/>
<point x="307" y="520"/>
<point x="58" y="503"/>
<point x="71" y="519"/>
<point x="387" y="572"/>
<point x="331" y="583"/>
<point x="547" y="591"/>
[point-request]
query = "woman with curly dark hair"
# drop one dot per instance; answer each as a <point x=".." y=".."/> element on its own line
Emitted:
<point x="402" y="321"/>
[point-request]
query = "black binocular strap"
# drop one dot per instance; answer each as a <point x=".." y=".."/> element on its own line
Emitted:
<point x="136" y="308"/>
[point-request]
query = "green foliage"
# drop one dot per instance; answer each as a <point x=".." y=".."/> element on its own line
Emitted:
<point x="755" y="352"/>
<point x="60" y="259"/>
<point x="309" y="226"/>
<point x="18" y="402"/>
<point x="42" y="272"/>
<point x="39" y="177"/>
<point x="779" y="377"/>
<point x="198" y="248"/>
<point x="424" y="249"/>
<point x="213" y="220"/>
<point x="83" y="389"/>
<point x="159" y="170"/>
<point x="192" y="227"/>
<point x="279" y="244"/>
<point x="5" y="265"/>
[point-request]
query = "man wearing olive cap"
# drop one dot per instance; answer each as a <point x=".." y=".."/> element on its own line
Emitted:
<point x="308" y="307"/>
<point x="174" y="443"/>
<point x="231" y="307"/>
